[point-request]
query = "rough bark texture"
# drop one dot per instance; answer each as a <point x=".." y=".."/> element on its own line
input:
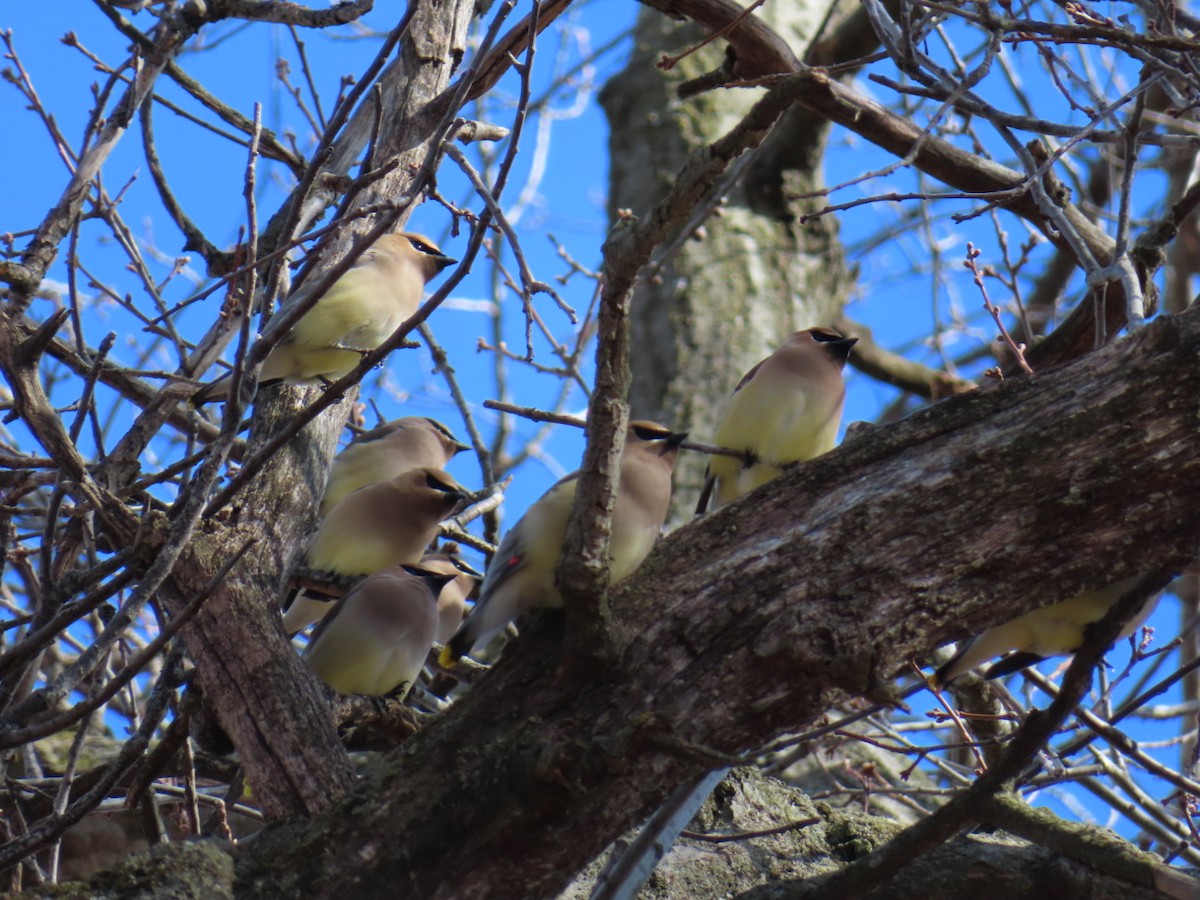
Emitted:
<point x="726" y="294"/>
<point x="983" y="865"/>
<point x="757" y="619"/>
<point x="192" y="870"/>
<point x="750" y="623"/>
<point x="287" y="739"/>
<point x="294" y="761"/>
<point x="747" y="800"/>
<point x="976" y="867"/>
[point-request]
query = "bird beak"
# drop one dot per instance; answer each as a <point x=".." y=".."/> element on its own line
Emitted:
<point x="459" y="447"/>
<point x="439" y="581"/>
<point x="843" y="346"/>
<point x="674" y="440"/>
<point x="442" y="261"/>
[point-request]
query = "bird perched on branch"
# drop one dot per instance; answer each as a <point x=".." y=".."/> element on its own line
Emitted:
<point x="382" y="453"/>
<point x="378" y="636"/>
<point x="380" y="525"/>
<point x="359" y="312"/>
<point x="1055" y="630"/>
<point x="521" y="574"/>
<point x="784" y="410"/>
<point x="452" y="600"/>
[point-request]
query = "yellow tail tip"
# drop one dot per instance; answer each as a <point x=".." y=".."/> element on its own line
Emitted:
<point x="936" y="681"/>
<point x="446" y="658"/>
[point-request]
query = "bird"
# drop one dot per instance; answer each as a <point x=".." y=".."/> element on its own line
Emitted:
<point x="521" y="574"/>
<point x="452" y="601"/>
<point x="383" y="453"/>
<point x="359" y="312"/>
<point x="378" y="636"/>
<point x="1055" y="630"/>
<point x="383" y="524"/>
<point x="388" y="523"/>
<point x="784" y="410"/>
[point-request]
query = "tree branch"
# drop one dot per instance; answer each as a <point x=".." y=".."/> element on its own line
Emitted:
<point x="728" y="645"/>
<point x="760" y="53"/>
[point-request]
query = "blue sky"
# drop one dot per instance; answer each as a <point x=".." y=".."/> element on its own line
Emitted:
<point x="895" y="301"/>
<point x="63" y="77"/>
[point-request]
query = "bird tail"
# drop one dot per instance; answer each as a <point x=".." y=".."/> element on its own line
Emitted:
<point x="450" y="655"/>
<point x="459" y="645"/>
<point x="216" y="390"/>
<point x="303" y="611"/>
<point x="706" y="494"/>
<point x="1014" y="662"/>
<point x="950" y="669"/>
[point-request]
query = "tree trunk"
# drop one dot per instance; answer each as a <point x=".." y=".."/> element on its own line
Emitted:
<point x="730" y="286"/>
<point x="748" y="624"/>
<point x="745" y="625"/>
<point x="286" y="738"/>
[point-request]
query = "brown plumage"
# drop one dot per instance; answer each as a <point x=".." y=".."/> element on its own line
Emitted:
<point x="452" y="600"/>
<point x="387" y="523"/>
<point x="383" y="453"/>
<point x="378" y="636"/>
<point x="784" y="410"/>
<point x="359" y="312"/>
<point x="383" y="524"/>
<point x="521" y="575"/>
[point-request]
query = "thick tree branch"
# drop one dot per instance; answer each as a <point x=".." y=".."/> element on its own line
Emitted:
<point x="1096" y="847"/>
<point x="971" y="511"/>
<point x="286" y="737"/>
<point x="291" y="13"/>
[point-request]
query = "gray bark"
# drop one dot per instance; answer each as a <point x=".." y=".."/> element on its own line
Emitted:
<point x="731" y="284"/>
<point x="773" y="866"/>
<point x="748" y="624"/>
<point x="972" y="511"/>
<point x="286" y="738"/>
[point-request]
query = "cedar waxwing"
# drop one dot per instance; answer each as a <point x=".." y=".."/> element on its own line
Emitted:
<point x="380" y="525"/>
<point x="784" y="410"/>
<point x="452" y="601"/>
<point x="378" y="636"/>
<point x="521" y="574"/>
<point x="357" y="314"/>
<point x="1055" y="630"/>
<point x="382" y="453"/>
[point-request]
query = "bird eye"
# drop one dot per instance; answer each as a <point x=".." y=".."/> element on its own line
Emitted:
<point x="423" y="247"/>
<point x="464" y="568"/>
<point x="825" y="336"/>
<point x="648" y="434"/>
<point x="437" y="484"/>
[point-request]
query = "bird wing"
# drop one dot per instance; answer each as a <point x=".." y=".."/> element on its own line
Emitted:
<point x="510" y="557"/>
